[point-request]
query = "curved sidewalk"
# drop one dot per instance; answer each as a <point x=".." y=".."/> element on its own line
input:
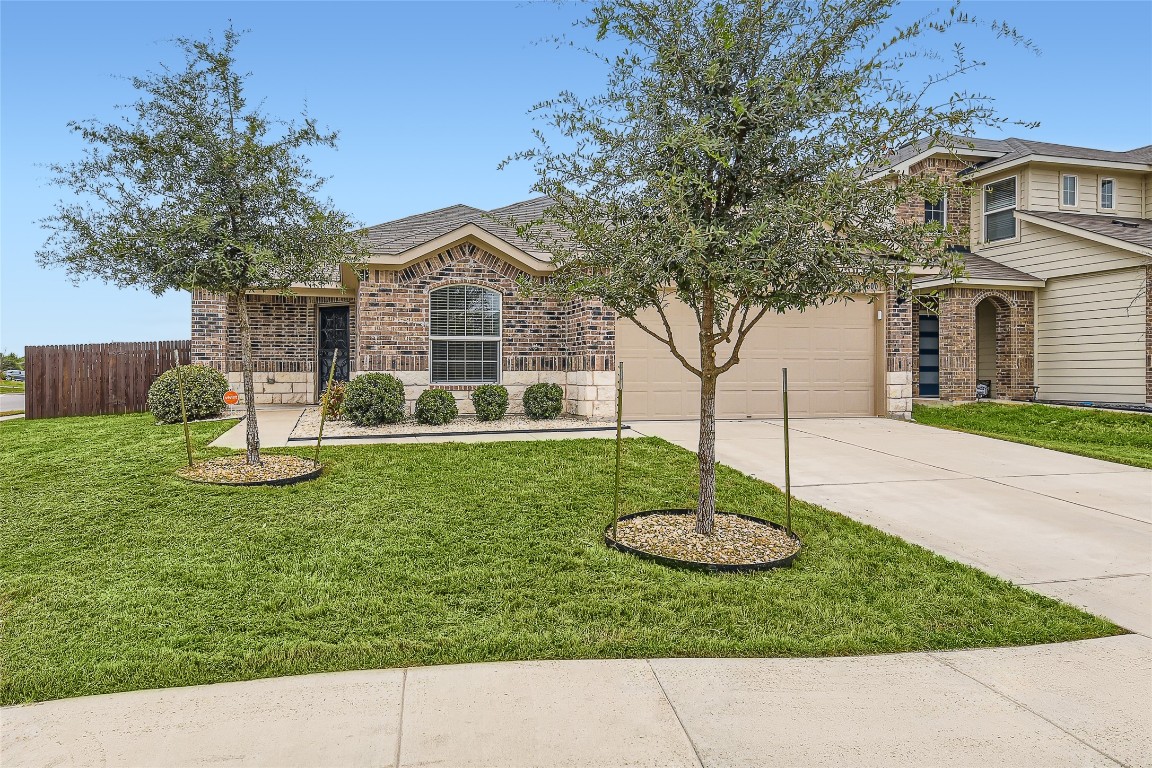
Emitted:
<point x="1072" y="704"/>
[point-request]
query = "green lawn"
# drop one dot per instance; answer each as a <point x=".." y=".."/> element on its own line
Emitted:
<point x="11" y="387"/>
<point x="117" y="575"/>
<point x="1110" y="435"/>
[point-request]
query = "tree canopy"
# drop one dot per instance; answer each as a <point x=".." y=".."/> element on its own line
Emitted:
<point x="727" y="164"/>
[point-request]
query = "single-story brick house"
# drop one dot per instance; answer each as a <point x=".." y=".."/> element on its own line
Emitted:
<point x="1055" y="297"/>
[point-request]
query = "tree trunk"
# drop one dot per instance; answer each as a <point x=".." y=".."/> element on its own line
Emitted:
<point x="706" y="452"/>
<point x="252" y="430"/>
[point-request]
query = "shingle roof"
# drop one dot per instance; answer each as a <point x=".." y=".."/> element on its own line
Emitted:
<point x="400" y="235"/>
<point x="1135" y="231"/>
<point x="1002" y="151"/>
<point x="1018" y="148"/>
<point x="982" y="268"/>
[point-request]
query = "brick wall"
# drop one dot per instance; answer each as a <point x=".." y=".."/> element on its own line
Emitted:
<point x="959" y="199"/>
<point x="543" y="338"/>
<point x="1148" y="336"/>
<point x="284" y="341"/>
<point x="1015" y="334"/>
<point x="899" y="353"/>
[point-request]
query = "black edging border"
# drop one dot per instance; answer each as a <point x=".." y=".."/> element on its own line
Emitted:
<point x="280" y="481"/>
<point x="692" y="565"/>
<point x="558" y="430"/>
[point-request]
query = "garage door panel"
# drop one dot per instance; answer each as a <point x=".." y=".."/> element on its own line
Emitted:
<point x="830" y="353"/>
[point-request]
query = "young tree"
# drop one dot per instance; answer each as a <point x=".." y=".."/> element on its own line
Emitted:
<point x="193" y="189"/>
<point x="725" y="166"/>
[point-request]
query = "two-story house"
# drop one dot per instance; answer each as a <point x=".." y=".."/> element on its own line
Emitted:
<point x="1059" y="264"/>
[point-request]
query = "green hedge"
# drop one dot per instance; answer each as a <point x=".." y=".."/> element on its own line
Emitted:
<point x="373" y="398"/>
<point x="204" y="390"/>
<point x="436" y="406"/>
<point x="491" y="402"/>
<point x="543" y="401"/>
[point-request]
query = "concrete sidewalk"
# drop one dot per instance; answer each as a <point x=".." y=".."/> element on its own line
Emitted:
<point x="1073" y="704"/>
<point x="1071" y="527"/>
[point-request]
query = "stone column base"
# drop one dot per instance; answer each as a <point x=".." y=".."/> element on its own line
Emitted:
<point x="898" y="395"/>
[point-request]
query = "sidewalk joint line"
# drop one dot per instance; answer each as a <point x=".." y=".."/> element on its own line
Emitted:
<point x="1026" y="708"/>
<point x="1084" y="578"/>
<point x="400" y="723"/>
<point x="672" y="706"/>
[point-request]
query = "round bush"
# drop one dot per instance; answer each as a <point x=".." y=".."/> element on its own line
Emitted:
<point x="204" y="390"/>
<point x="491" y="402"/>
<point x="436" y="406"/>
<point x="543" y="401"/>
<point x="374" y="398"/>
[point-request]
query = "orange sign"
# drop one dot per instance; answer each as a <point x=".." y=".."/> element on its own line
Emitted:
<point x="231" y="398"/>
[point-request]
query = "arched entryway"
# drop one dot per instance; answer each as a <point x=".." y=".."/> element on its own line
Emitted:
<point x="992" y="339"/>
<point x="986" y="337"/>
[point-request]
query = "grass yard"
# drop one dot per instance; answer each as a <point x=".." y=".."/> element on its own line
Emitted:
<point x="1110" y="435"/>
<point x="117" y="575"/>
<point x="11" y="387"/>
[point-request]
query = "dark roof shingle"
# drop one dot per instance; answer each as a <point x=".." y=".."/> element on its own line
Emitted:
<point x="400" y="235"/>
<point x="1129" y="230"/>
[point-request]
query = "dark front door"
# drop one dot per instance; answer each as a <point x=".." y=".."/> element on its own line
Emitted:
<point x="333" y="336"/>
<point x="929" y="356"/>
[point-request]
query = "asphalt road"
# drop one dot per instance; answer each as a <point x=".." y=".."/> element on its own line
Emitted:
<point x="12" y="402"/>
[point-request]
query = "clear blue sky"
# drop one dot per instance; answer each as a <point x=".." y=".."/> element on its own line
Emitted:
<point x="428" y="98"/>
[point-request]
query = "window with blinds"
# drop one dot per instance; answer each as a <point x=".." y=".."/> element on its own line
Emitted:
<point x="464" y="325"/>
<point x="999" y="204"/>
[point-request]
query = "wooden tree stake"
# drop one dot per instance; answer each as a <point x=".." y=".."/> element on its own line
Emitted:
<point x="324" y="403"/>
<point x="183" y="407"/>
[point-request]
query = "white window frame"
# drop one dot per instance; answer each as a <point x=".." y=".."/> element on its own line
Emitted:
<point x="1013" y="206"/>
<point x="499" y="338"/>
<point x="1075" y="190"/>
<point x="944" y="203"/>
<point x="1101" y="205"/>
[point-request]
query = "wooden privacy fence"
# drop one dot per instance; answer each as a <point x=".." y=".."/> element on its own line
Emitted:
<point x="94" y="379"/>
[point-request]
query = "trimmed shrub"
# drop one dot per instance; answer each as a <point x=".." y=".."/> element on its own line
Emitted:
<point x="543" y="401"/>
<point x="491" y="402"/>
<point x="436" y="406"/>
<point x="204" y="390"/>
<point x="332" y="400"/>
<point x="374" y="398"/>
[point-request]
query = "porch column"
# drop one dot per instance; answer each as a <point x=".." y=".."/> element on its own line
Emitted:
<point x="899" y="353"/>
<point x="957" y="345"/>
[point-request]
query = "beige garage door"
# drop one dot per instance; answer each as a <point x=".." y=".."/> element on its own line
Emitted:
<point x="831" y="354"/>
<point x="1090" y="337"/>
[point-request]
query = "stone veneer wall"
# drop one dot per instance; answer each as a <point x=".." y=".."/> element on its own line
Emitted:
<point x="1015" y="335"/>
<point x="544" y="339"/>
<point x="284" y="342"/>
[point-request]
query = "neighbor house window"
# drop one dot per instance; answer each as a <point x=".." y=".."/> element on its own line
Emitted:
<point x="1068" y="191"/>
<point x="936" y="212"/>
<point x="999" y="203"/>
<point x="1107" y="194"/>
<point x="465" y="335"/>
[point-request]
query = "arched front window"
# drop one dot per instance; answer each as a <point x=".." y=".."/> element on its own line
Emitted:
<point x="465" y="335"/>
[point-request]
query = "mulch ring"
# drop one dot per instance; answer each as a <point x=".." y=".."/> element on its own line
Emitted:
<point x="274" y="469"/>
<point x="736" y="540"/>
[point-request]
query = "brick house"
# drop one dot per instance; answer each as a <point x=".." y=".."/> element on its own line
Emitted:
<point x="1054" y="297"/>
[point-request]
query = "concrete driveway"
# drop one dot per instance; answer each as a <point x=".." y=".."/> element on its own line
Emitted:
<point x="1074" y="528"/>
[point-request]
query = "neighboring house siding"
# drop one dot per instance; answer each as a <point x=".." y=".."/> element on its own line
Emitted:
<point x="1091" y="338"/>
<point x="1044" y="190"/>
<point x="1047" y="253"/>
